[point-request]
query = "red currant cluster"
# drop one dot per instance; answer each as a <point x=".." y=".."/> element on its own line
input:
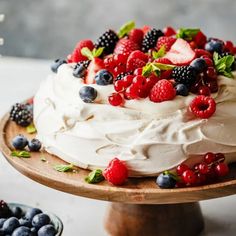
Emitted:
<point x="207" y="81"/>
<point x="132" y="87"/>
<point x="207" y="171"/>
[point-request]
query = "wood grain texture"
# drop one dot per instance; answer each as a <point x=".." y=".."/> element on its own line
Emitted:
<point x="149" y="220"/>
<point x="136" y="190"/>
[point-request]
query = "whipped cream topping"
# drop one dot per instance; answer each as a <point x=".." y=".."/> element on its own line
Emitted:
<point x="150" y="137"/>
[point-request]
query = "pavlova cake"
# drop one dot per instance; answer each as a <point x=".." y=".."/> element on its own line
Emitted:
<point x="155" y="99"/>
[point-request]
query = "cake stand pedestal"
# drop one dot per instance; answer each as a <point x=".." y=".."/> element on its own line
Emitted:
<point x="139" y="207"/>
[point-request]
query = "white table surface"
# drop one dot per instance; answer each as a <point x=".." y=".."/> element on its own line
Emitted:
<point x="19" y="79"/>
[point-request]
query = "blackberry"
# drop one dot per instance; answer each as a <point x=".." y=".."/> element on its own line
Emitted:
<point x="184" y="75"/>
<point x="5" y="211"/>
<point x="85" y="64"/>
<point x="21" y="114"/>
<point x="150" y="39"/>
<point x="108" y="41"/>
<point x="123" y="74"/>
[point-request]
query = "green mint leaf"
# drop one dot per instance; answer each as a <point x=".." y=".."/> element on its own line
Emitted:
<point x="43" y="159"/>
<point x="147" y="70"/>
<point x="160" y="53"/>
<point x="161" y="66"/>
<point x="187" y="33"/>
<point x="94" y="176"/>
<point x="63" y="168"/>
<point x="126" y="28"/>
<point x="224" y="64"/>
<point x="87" y="53"/>
<point x="97" y="52"/>
<point x="30" y="129"/>
<point x="23" y="154"/>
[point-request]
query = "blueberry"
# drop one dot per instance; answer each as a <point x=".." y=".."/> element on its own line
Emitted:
<point x="34" y="145"/>
<point x="19" y="142"/>
<point x="56" y="64"/>
<point x="165" y="181"/>
<point x="79" y="71"/>
<point x="214" y="46"/>
<point x="10" y="224"/>
<point x="40" y="220"/>
<point x="25" y="222"/>
<point x="32" y="212"/>
<point x="88" y="94"/>
<point x="199" y="64"/>
<point x="2" y="220"/>
<point x="34" y="230"/>
<point x="103" y="77"/>
<point x="47" y="230"/>
<point x="22" y="231"/>
<point x="17" y="212"/>
<point x="181" y="89"/>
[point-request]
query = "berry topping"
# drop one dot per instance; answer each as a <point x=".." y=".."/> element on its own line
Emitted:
<point x="214" y="46"/>
<point x="108" y="41"/>
<point x="200" y="39"/>
<point x="116" y="172"/>
<point x="222" y="169"/>
<point x="166" y="180"/>
<point x="184" y="75"/>
<point x="167" y="42"/>
<point x="163" y="90"/>
<point x="79" y="71"/>
<point x="95" y="65"/>
<point x="115" y="99"/>
<point x="56" y="64"/>
<point x="88" y="94"/>
<point x="203" y="106"/>
<point x="204" y="90"/>
<point x="203" y="168"/>
<point x="103" y="77"/>
<point x="199" y="64"/>
<point x="76" y="55"/>
<point x="181" y="168"/>
<point x="136" y="35"/>
<point x="189" y="177"/>
<point x="21" y="114"/>
<point x="209" y="158"/>
<point x="19" y="142"/>
<point x="34" y="145"/>
<point x="181" y="89"/>
<point x="125" y="46"/>
<point x="180" y="53"/>
<point x="136" y="59"/>
<point x="150" y="39"/>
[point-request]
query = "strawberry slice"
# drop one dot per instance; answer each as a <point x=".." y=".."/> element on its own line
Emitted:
<point x="95" y="65"/>
<point x="180" y="53"/>
<point x="136" y="59"/>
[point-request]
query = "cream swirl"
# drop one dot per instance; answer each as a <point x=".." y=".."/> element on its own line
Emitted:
<point x="150" y="137"/>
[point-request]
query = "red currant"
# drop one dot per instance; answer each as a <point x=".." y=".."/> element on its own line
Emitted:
<point x="181" y="168"/>
<point x="201" y="179"/>
<point x="220" y="157"/>
<point x="119" y="85"/>
<point x="208" y="61"/>
<point x="131" y="92"/>
<point x="209" y="158"/>
<point x="128" y="79"/>
<point x="222" y="169"/>
<point x="201" y="52"/>
<point x="203" y="168"/>
<point x="211" y="72"/>
<point x="139" y="81"/>
<point x="204" y="90"/>
<point x="212" y="85"/>
<point x="189" y="177"/>
<point x="229" y="46"/>
<point x="144" y="91"/>
<point x="115" y="99"/>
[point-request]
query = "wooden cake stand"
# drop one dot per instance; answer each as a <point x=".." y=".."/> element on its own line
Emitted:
<point x="139" y="207"/>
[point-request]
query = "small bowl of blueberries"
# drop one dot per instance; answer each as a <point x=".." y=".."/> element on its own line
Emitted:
<point x="21" y="220"/>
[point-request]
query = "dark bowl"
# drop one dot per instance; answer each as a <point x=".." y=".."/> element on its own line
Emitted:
<point x="57" y="223"/>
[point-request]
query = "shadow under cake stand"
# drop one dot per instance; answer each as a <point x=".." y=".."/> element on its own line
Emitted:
<point x="139" y="208"/>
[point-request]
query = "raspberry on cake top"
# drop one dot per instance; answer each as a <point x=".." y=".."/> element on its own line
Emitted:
<point x="153" y="98"/>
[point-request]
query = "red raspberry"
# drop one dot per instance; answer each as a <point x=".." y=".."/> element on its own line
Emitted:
<point x="76" y="55"/>
<point x="203" y="106"/>
<point x="166" y="41"/>
<point x="116" y="172"/>
<point x="163" y="90"/>
<point x="169" y="31"/>
<point x="136" y="35"/>
<point x="136" y="59"/>
<point x="125" y="46"/>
